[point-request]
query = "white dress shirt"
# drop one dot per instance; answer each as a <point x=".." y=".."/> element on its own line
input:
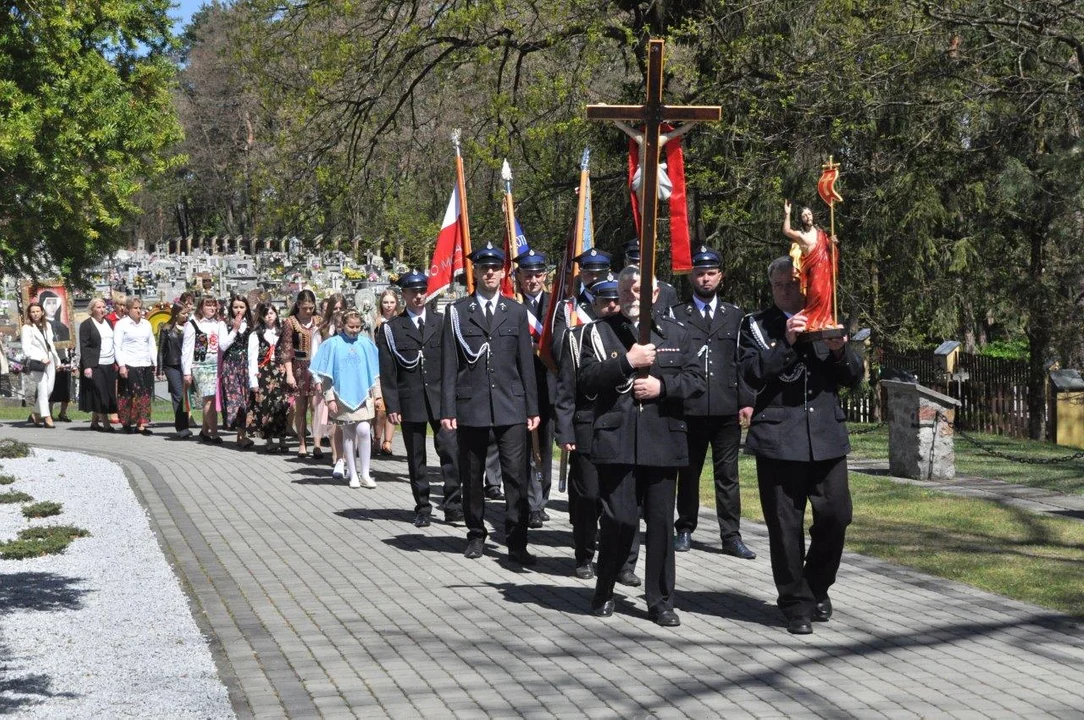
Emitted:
<point x="134" y="343"/>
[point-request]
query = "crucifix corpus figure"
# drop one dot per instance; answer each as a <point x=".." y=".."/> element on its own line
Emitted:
<point x="653" y="114"/>
<point x="666" y="185"/>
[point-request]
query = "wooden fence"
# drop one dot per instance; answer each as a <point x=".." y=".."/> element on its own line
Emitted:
<point x="993" y="392"/>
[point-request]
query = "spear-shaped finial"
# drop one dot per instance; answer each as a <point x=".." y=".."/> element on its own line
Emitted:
<point x="455" y="140"/>
<point x="585" y="161"/>
<point x="506" y="175"/>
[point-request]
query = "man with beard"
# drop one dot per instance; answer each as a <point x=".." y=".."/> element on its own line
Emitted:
<point x="574" y="410"/>
<point x="799" y="438"/>
<point x="488" y="385"/>
<point x="639" y="440"/>
<point x="530" y="279"/>
<point x="410" y="374"/>
<point x="716" y="417"/>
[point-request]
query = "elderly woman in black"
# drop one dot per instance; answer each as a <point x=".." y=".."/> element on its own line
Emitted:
<point x="98" y="384"/>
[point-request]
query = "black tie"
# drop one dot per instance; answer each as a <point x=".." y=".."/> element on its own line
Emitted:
<point x="421" y="323"/>
<point x="707" y="313"/>
<point x="489" y="311"/>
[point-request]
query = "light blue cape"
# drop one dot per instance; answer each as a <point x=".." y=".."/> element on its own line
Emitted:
<point x="352" y="366"/>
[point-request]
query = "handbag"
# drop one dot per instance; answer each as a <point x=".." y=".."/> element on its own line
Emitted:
<point x="35" y="366"/>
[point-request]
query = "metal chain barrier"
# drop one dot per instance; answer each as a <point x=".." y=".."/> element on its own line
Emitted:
<point x="941" y="417"/>
<point x="865" y="431"/>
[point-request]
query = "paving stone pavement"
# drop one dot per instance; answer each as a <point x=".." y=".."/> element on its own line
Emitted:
<point x="322" y="601"/>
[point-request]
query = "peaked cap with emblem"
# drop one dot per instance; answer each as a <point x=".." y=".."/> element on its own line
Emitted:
<point x="707" y="258"/>
<point x="414" y="280"/>
<point x="487" y="255"/>
<point x="605" y="288"/>
<point x="594" y="259"/>
<point x="531" y="260"/>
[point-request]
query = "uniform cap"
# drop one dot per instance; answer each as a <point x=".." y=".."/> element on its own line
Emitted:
<point x="593" y="259"/>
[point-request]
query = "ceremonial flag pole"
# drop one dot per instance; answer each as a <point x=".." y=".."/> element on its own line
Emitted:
<point x="584" y="238"/>
<point x="461" y="185"/>
<point x="511" y="236"/>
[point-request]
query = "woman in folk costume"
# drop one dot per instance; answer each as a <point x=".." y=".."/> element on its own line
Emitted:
<point x="348" y="368"/>
<point x="299" y="342"/>
<point x="199" y="362"/>
<point x="330" y="325"/>
<point x="234" y="369"/>
<point x="270" y="406"/>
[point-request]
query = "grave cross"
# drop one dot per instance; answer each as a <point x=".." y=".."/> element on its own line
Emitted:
<point x="652" y="114"/>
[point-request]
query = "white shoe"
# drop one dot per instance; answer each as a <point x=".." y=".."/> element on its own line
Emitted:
<point x="368" y="482"/>
<point x="355" y="482"/>
<point x="340" y="469"/>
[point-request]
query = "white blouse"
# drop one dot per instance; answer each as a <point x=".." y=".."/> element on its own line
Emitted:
<point x="134" y="343"/>
<point x="272" y="337"/>
<point x="106" y="356"/>
<point x="215" y="331"/>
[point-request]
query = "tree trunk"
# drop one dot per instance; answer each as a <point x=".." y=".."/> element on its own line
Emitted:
<point x="1038" y="332"/>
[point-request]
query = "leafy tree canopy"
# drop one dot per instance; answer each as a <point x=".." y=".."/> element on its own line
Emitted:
<point x="85" y="116"/>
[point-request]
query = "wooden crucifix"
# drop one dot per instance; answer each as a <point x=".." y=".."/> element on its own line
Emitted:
<point x="652" y="114"/>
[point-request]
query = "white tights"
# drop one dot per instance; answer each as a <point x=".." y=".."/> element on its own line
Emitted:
<point x="356" y="441"/>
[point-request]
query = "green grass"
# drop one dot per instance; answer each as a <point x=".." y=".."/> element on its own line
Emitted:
<point x="1067" y="477"/>
<point x="11" y="448"/>
<point x="46" y="508"/>
<point x="14" y="496"/>
<point x="39" y="541"/>
<point x="161" y="411"/>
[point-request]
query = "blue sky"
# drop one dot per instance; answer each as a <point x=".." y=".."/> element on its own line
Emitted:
<point x="182" y="12"/>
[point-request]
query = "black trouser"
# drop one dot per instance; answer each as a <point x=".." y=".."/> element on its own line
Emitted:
<point x="723" y="434"/>
<point x="445" y="445"/>
<point x="584" y="510"/>
<point x="784" y="487"/>
<point x="493" y="464"/>
<point x="541" y="477"/>
<point x="512" y="450"/>
<point x="175" y="381"/>
<point x="624" y="490"/>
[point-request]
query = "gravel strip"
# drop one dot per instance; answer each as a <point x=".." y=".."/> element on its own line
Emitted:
<point x="102" y="630"/>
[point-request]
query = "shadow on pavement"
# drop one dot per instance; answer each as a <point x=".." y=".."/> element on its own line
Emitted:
<point x="370" y="514"/>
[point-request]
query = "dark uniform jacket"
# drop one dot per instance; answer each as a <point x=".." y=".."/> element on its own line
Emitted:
<point x="487" y="387"/>
<point x="716" y="345"/>
<point x="574" y="410"/>
<point x="410" y="366"/>
<point x="796" y="415"/>
<point x="628" y="432"/>
<point x="560" y="322"/>
<point x="547" y="385"/>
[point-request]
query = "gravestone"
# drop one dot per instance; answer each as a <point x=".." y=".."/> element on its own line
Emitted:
<point x="920" y="433"/>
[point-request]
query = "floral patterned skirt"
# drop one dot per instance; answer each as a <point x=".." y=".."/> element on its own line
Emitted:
<point x="134" y="394"/>
<point x="303" y="378"/>
<point x="205" y="378"/>
<point x="235" y="390"/>
<point x="268" y="416"/>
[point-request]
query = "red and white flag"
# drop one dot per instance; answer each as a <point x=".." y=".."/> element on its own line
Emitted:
<point x="448" y="257"/>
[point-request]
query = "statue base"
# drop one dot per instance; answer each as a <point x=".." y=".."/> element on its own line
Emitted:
<point x="822" y="334"/>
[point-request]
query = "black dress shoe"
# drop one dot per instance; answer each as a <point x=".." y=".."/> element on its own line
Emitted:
<point x="494" y="493"/>
<point x="738" y="549"/>
<point x="453" y="516"/>
<point x="603" y="609"/>
<point x="421" y="520"/>
<point x="545" y="516"/>
<point x="799" y="626"/>
<point x="585" y="571"/>
<point x="534" y="520"/>
<point x="683" y="542"/>
<point x="822" y="611"/>
<point x="474" y="548"/>
<point x="629" y="578"/>
<point x="665" y="618"/>
<point x="522" y="556"/>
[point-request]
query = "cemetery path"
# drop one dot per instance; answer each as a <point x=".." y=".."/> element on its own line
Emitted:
<point x="322" y="601"/>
